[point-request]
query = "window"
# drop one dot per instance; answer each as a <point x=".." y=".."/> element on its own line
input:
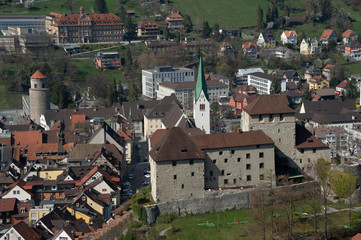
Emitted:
<point x="174" y="176"/>
<point x="222" y="172"/>
<point x="202" y="107"/>
<point x="225" y="160"/>
<point x="190" y="162"/>
<point x="281" y="118"/>
<point x="248" y="166"/>
<point x="309" y="160"/>
<point x="314" y="150"/>
<point x="225" y="181"/>
<point x="63" y="238"/>
<point x="232" y="151"/>
<point x="257" y="146"/>
<point x="260" y="118"/>
<point x="234" y="181"/>
<point x="301" y="160"/>
<point x="279" y="140"/>
<point x="174" y="163"/>
<point x="261" y="165"/>
<point x="192" y="174"/>
<point x="182" y="186"/>
<point x="7" y="220"/>
<point x="33" y="216"/>
<point x="14" y="192"/>
<point x="238" y="159"/>
<point x="261" y="155"/>
<point x="220" y="153"/>
<point x="83" y="198"/>
<point x="279" y="130"/>
<point x="104" y="190"/>
<point x="261" y="177"/>
<point x="248" y="155"/>
<point x="214" y="161"/>
<point x="271" y="117"/>
<point x="211" y="173"/>
<point x="249" y="178"/>
<point x="302" y="150"/>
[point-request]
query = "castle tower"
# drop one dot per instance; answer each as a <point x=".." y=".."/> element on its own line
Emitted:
<point x="201" y="106"/>
<point x="39" y="96"/>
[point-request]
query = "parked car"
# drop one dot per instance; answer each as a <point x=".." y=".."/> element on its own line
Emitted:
<point x="126" y="185"/>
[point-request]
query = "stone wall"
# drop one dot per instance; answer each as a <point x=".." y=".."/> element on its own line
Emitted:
<point x="213" y="201"/>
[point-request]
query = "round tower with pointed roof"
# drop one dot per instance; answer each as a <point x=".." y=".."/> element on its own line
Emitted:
<point x="39" y="96"/>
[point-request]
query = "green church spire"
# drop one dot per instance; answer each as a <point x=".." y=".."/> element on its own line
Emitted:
<point x="201" y="83"/>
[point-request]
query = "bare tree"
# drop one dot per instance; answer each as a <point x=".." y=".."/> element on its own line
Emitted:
<point x="259" y="202"/>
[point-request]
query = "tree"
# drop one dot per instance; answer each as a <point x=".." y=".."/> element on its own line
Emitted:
<point x="128" y="57"/>
<point x="188" y="25"/>
<point x="166" y="33"/>
<point x="307" y="95"/>
<point x="70" y="4"/>
<point x="275" y="86"/>
<point x="178" y="38"/>
<point x="133" y="92"/>
<point x="100" y="6"/>
<point x="343" y="185"/>
<point x="206" y="30"/>
<point x="60" y="95"/>
<point x="259" y="17"/>
<point x="323" y="172"/>
<point x="112" y="96"/>
<point x="259" y="200"/>
<point x="353" y="89"/>
<point x="129" y="27"/>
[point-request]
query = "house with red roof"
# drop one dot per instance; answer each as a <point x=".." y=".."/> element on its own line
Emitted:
<point x="328" y="36"/>
<point x="21" y="231"/>
<point x="328" y="71"/>
<point x="250" y="49"/>
<point x="226" y="50"/>
<point x="289" y="37"/>
<point x="7" y="210"/>
<point x="349" y="36"/>
<point x="357" y="237"/>
<point x="148" y="29"/>
<point x="343" y="87"/>
<point x="175" y="21"/>
<point x="318" y="82"/>
<point x="17" y="190"/>
<point x="78" y="122"/>
<point x="84" y="28"/>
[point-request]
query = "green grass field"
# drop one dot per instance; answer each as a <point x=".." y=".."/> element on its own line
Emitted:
<point x="86" y="67"/>
<point x="353" y="68"/>
<point x="234" y="13"/>
<point x="189" y="228"/>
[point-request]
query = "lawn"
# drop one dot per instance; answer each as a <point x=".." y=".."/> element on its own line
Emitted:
<point x="233" y="13"/>
<point x="224" y="227"/>
<point x="9" y="100"/>
<point x="86" y="67"/>
<point x="352" y="68"/>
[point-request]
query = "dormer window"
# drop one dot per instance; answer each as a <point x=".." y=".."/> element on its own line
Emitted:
<point x="184" y="149"/>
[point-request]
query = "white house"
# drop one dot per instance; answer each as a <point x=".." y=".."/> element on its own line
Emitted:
<point x="261" y="81"/>
<point x="289" y="37"/>
<point x="16" y="191"/>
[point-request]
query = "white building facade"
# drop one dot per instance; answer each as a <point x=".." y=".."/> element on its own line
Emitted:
<point x="152" y="77"/>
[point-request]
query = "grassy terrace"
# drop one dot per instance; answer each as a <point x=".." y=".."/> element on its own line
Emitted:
<point x="225" y="228"/>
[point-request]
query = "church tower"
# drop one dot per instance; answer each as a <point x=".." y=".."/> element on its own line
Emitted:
<point x="39" y="96"/>
<point x="201" y="106"/>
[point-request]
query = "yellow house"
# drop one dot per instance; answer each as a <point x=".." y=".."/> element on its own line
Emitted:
<point x="78" y="214"/>
<point x="50" y="174"/>
<point x="318" y="82"/>
<point x="36" y="213"/>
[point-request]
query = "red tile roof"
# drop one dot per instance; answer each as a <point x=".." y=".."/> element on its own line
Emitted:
<point x="328" y="66"/>
<point x="25" y="138"/>
<point x="249" y="44"/>
<point x="288" y="33"/>
<point x="147" y="24"/>
<point x="26" y="232"/>
<point x="78" y="122"/>
<point x="344" y="84"/>
<point x="357" y="237"/>
<point x="326" y="35"/>
<point x="305" y="139"/>
<point x="96" y="19"/>
<point x="175" y="15"/>
<point x="269" y="104"/>
<point x="347" y="33"/>
<point x="51" y="149"/>
<point x="38" y="74"/>
<point x="224" y="44"/>
<point x="7" y="204"/>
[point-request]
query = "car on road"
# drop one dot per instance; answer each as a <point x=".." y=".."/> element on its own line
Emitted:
<point x="126" y="185"/>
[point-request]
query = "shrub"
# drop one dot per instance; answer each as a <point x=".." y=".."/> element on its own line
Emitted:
<point x="166" y="218"/>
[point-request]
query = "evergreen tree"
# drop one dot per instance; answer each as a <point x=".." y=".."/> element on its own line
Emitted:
<point x="188" y="25"/>
<point x="275" y="86"/>
<point x="100" y="6"/>
<point x="128" y="57"/>
<point x="166" y="33"/>
<point x="112" y="95"/>
<point x="206" y="30"/>
<point x="307" y="95"/>
<point x="133" y="92"/>
<point x="178" y="39"/>
<point x="269" y="14"/>
<point x="353" y="89"/>
<point x="259" y="17"/>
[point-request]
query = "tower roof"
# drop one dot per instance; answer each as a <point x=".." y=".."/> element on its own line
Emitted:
<point x="38" y="74"/>
<point x="201" y="82"/>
